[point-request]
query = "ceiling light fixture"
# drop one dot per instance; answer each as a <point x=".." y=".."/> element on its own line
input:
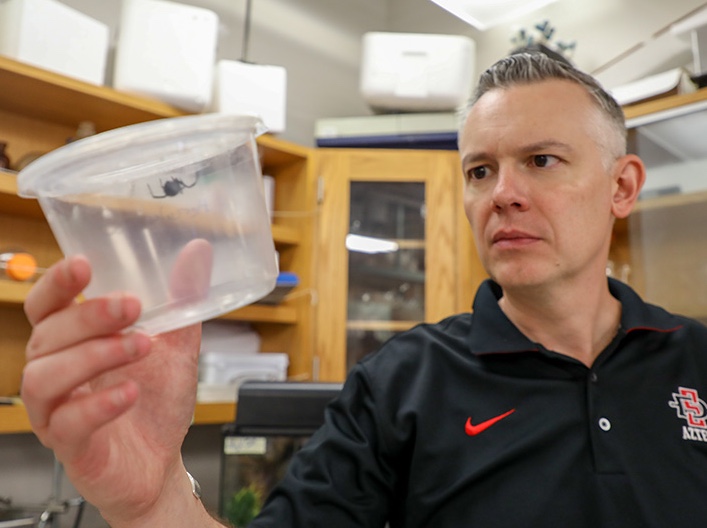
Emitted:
<point x="483" y="14"/>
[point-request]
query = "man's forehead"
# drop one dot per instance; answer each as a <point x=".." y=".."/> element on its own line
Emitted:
<point x="572" y="89"/>
<point x="556" y="100"/>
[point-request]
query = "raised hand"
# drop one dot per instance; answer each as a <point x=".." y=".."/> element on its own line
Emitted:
<point x="113" y="403"/>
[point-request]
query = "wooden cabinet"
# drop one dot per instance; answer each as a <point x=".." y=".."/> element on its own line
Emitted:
<point x="393" y="249"/>
<point x="661" y="249"/>
<point x="39" y="110"/>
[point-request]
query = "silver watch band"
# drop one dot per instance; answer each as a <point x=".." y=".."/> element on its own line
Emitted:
<point x="195" y="487"/>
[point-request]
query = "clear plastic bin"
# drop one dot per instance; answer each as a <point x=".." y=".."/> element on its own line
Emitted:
<point x="171" y="210"/>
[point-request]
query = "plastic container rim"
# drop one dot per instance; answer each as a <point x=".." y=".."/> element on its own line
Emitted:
<point x="35" y="180"/>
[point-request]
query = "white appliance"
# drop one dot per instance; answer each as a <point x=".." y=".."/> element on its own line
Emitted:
<point x="53" y="36"/>
<point x="167" y="50"/>
<point x="409" y="72"/>
<point x="246" y="88"/>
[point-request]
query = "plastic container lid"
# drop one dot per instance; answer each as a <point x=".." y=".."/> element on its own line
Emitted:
<point x="127" y="153"/>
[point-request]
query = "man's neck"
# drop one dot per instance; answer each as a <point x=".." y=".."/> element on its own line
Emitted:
<point x="575" y="321"/>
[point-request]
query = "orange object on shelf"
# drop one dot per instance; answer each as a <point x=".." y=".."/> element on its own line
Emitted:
<point x="18" y="266"/>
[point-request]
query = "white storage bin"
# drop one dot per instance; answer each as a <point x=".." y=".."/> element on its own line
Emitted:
<point x="221" y="374"/>
<point x="230" y="368"/>
<point x="243" y="88"/>
<point x="167" y="50"/>
<point x="53" y="36"/>
<point x="410" y="72"/>
<point x="229" y="337"/>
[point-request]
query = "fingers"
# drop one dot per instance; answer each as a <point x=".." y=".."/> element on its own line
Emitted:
<point x="190" y="277"/>
<point x="91" y="319"/>
<point x="73" y="344"/>
<point x="57" y="288"/>
<point x="48" y="382"/>
<point x="54" y="295"/>
<point x="72" y="425"/>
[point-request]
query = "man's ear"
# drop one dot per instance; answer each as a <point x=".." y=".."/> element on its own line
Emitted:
<point x="629" y="176"/>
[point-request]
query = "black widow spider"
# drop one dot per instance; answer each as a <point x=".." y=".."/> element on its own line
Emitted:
<point x="172" y="187"/>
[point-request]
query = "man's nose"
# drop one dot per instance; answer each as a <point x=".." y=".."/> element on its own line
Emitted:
<point x="510" y="190"/>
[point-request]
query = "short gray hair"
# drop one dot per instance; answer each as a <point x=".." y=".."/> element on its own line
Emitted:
<point x="529" y="68"/>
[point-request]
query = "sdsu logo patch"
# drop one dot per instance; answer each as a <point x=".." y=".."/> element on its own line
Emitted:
<point x="693" y="409"/>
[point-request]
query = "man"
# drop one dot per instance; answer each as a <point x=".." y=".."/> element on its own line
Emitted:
<point x="559" y="402"/>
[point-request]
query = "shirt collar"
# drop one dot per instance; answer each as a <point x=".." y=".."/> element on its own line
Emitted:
<point x="492" y="332"/>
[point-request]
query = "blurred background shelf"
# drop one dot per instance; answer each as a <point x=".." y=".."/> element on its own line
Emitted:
<point x="13" y="418"/>
<point x="49" y="96"/>
<point x="39" y="111"/>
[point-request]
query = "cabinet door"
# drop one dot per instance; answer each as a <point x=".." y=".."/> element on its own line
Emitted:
<point x="661" y="249"/>
<point x="394" y="249"/>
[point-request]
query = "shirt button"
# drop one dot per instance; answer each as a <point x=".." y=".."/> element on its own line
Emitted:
<point x="593" y="377"/>
<point x="604" y="424"/>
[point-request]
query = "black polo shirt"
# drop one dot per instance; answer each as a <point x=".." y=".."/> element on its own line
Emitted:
<point x="467" y="423"/>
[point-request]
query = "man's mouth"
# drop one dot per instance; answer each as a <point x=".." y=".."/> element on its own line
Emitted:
<point x="513" y="238"/>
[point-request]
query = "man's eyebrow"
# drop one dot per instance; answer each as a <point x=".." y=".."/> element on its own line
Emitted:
<point x="474" y="157"/>
<point x="547" y="144"/>
<point x="531" y="148"/>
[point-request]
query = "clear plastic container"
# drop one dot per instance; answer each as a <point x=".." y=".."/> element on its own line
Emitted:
<point x="171" y="210"/>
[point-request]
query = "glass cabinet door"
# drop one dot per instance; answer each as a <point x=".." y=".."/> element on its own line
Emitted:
<point x="386" y="261"/>
<point x="661" y="249"/>
<point x="393" y="249"/>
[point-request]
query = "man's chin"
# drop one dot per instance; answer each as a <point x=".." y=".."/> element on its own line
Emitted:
<point x="518" y="278"/>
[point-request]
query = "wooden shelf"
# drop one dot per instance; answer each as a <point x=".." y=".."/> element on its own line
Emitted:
<point x="49" y="96"/>
<point x="13" y="418"/>
<point x="387" y="326"/>
<point x="15" y="292"/>
<point x="10" y="203"/>
<point x="671" y="201"/>
<point x="12" y="292"/>
<point x="38" y="111"/>
<point x="285" y="235"/>
<point x="264" y="313"/>
<point x="278" y="153"/>
<point x="214" y="413"/>
<point x="664" y="103"/>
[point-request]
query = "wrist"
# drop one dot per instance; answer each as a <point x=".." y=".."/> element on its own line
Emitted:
<point x="179" y="505"/>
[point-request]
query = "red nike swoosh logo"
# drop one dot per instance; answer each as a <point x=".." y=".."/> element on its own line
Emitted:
<point x="473" y="430"/>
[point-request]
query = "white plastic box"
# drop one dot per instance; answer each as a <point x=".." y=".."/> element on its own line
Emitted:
<point x="222" y="373"/>
<point x="410" y="72"/>
<point x="53" y="36"/>
<point x="227" y="336"/>
<point x="167" y="50"/>
<point x="241" y="87"/>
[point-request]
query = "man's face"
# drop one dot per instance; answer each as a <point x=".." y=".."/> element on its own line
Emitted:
<point x="537" y="194"/>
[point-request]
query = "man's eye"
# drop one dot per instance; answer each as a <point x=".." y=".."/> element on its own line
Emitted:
<point x="544" y="160"/>
<point x="477" y="173"/>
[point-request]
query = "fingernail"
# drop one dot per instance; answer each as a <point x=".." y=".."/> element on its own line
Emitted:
<point x="136" y="345"/>
<point x="115" y="307"/>
<point x="68" y="272"/>
<point x="118" y="397"/>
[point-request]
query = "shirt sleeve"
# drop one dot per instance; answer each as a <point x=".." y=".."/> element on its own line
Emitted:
<point x="344" y="476"/>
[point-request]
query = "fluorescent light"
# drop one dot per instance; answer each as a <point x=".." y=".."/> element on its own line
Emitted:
<point x="483" y="14"/>
<point x="364" y="244"/>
